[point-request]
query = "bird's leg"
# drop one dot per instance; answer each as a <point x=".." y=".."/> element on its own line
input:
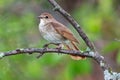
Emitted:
<point x="59" y="46"/>
<point x="46" y="45"/>
<point x="44" y="48"/>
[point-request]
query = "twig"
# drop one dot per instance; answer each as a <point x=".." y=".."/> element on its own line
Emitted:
<point x="44" y="51"/>
<point x="90" y="54"/>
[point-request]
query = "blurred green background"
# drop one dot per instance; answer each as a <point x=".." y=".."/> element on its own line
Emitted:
<point x="100" y="19"/>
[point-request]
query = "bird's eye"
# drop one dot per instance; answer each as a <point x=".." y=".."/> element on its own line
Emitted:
<point x="46" y="17"/>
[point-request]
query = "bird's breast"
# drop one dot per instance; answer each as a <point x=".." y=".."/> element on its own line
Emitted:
<point x="50" y="34"/>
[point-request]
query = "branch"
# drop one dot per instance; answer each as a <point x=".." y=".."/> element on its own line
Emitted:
<point x="41" y="51"/>
<point x="90" y="54"/>
<point x="99" y="59"/>
<point x="44" y="51"/>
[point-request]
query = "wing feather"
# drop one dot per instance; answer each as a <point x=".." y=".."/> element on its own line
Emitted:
<point x="64" y="31"/>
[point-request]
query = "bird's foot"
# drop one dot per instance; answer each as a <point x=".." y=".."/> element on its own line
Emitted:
<point x="59" y="47"/>
<point x="46" y="45"/>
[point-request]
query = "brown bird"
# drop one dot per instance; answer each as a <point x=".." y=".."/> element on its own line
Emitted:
<point x="57" y="33"/>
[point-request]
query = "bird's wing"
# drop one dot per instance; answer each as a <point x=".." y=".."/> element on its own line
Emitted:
<point x="64" y="31"/>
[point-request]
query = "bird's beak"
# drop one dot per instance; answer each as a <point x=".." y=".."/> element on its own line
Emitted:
<point x="39" y="17"/>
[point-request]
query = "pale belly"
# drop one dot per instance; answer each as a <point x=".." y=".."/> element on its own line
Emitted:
<point x="51" y="35"/>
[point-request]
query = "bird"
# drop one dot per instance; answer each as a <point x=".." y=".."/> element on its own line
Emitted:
<point x="57" y="33"/>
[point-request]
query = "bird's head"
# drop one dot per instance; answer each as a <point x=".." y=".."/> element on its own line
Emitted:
<point x="46" y="17"/>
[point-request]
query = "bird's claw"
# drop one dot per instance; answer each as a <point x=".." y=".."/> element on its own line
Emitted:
<point x="59" y="48"/>
<point x="46" y="45"/>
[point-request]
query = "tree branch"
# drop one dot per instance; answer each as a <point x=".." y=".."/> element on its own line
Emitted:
<point x="99" y="59"/>
<point x="44" y="51"/>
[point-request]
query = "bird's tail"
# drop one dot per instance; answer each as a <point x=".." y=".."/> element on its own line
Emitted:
<point x="73" y="46"/>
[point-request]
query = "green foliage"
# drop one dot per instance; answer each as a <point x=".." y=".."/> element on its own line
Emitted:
<point x="90" y="22"/>
<point x="112" y="46"/>
<point x="75" y="68"/>
<point x="3" y="3"/>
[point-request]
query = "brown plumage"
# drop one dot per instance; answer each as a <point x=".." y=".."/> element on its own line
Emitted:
<point x="55" y="32"/>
